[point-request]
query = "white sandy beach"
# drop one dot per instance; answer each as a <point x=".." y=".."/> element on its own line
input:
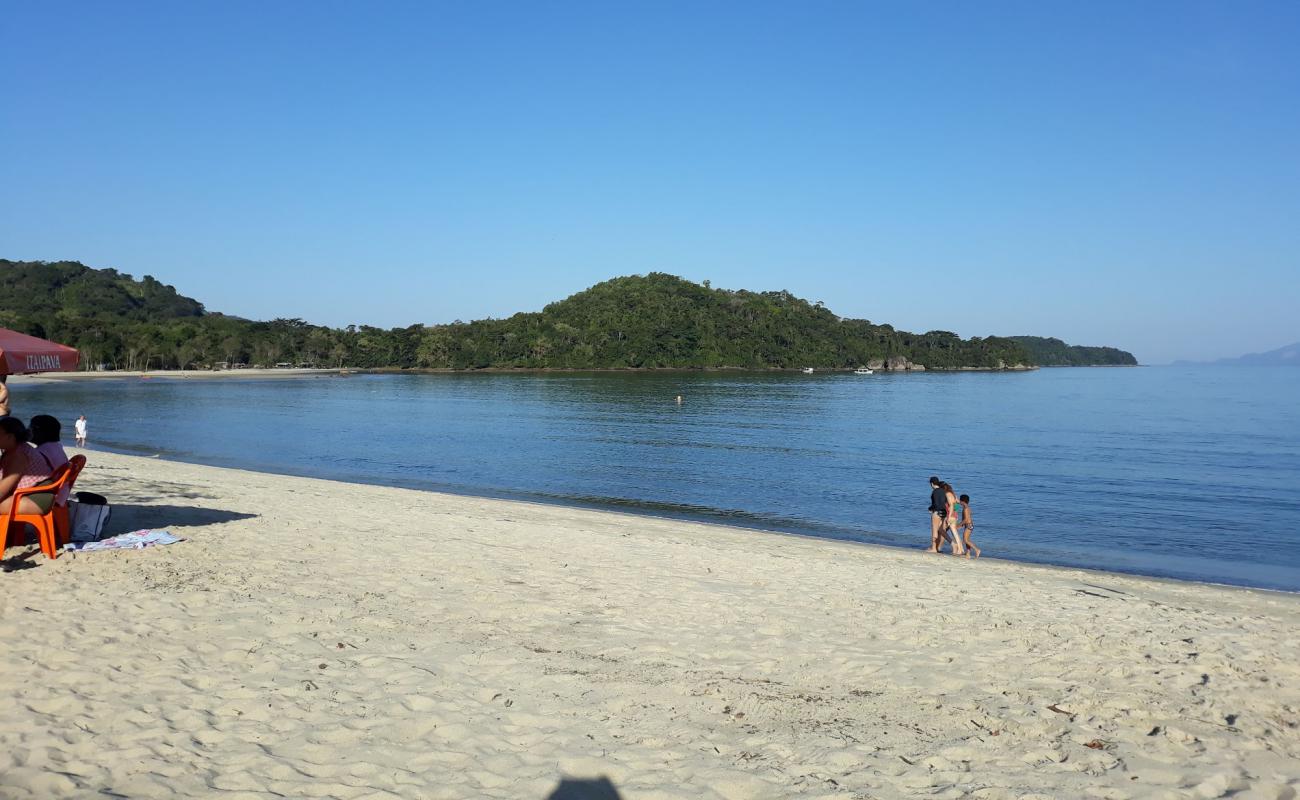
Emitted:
<point x="321" y="639"/>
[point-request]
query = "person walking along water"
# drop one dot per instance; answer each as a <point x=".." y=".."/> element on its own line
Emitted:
<point x="952" y="518"/>
<point x="938" y="511"/>
<point x="966" y="526"/>
<point x="79" y="428"/>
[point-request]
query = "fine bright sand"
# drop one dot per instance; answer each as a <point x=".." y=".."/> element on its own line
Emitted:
<point x="322" y="639"/>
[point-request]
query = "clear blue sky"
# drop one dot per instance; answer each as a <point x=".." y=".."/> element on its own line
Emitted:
<point x="1110" y="173"/>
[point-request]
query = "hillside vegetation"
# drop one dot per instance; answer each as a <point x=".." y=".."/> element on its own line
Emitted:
<point x="663" y="321"/>
<point x="1048" y="352"/>
<point x="652" y="321"/>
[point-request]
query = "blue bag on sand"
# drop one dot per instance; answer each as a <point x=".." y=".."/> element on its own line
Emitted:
<point x="86" y="518"/>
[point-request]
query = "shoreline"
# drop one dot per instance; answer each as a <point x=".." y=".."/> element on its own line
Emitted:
<point x="267" y="372"/>
<point x="732" y="527"/>
<point x="319" y="638"/>
<point x="729" y="521"/>
<point x="688" y="370"/>
<point x="173" y="374"/>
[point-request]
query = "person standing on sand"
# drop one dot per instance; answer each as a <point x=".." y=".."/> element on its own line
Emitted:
<point x="79" y="428"/>
<point x="966" y="526"/>
<point x="938" y="510"/>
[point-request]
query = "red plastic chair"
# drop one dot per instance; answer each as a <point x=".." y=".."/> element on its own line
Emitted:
<point x="61" y="528"/>
<point x="52" y="526"/>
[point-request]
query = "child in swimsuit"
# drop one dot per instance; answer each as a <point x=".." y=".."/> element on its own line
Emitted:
<point x="966" y="526"/>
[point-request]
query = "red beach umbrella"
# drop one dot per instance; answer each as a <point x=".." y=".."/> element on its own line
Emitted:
<point x="20" y="353"/>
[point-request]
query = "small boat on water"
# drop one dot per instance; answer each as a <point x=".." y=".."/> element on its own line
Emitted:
<point x="807" y="370"/>
<point x="862" y="371"/>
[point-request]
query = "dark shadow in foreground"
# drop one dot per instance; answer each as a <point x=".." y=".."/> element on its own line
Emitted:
<point x="585" y="789"/>
<point x="124" y="518"/>
<point x="20" y="561"/>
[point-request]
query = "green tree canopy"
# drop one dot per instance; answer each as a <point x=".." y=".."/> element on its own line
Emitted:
<point x="638" y="321"/>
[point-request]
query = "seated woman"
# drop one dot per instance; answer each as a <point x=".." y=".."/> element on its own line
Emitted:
<point x="21" y="468"/>
<point x="45" y="432"/>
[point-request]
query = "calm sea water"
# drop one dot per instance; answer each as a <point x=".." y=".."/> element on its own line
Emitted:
<point x="1187" y="473"/>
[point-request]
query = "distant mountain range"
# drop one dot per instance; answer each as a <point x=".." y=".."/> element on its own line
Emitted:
<point x="1288" y="356"/>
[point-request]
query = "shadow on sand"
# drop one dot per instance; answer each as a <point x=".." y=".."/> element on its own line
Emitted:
<point x="585" y="789"/>
<point x="127" y="517"/>
<point x="123" y="518"/>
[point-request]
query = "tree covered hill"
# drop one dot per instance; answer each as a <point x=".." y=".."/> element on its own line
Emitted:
<point x="651" y="321"/>
<point x="42" y="290"/>
<point x="124" y="323"/>
<point x="1048" y="352"/>
<point x="661" y="320"/>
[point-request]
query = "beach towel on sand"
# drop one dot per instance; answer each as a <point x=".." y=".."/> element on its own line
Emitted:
<point x="126" y="541"/>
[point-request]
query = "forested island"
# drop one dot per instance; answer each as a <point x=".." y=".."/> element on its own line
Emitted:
<point x="1047" y="352"/>
<point x="634" y="322"/>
